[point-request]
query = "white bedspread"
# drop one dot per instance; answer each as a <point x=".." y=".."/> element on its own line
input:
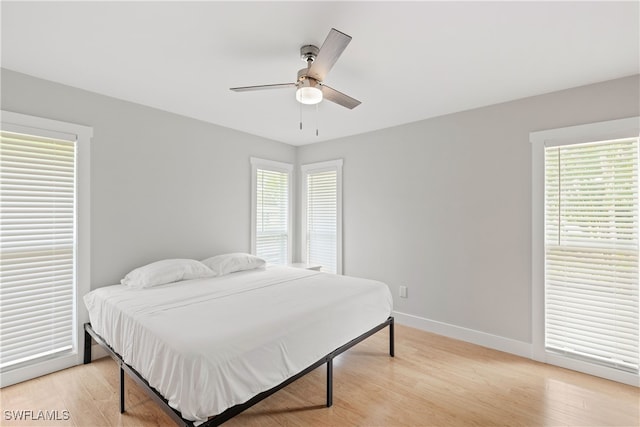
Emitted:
<point x="209" y="344"/>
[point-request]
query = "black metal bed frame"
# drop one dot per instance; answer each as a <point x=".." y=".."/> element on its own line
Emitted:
<point x="234" y="410"/>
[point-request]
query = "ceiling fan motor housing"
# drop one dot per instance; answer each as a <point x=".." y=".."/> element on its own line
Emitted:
<point x="304" y="79"/>
<point x="308" y="53"/>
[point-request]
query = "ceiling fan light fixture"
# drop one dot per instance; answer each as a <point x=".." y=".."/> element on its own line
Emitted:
<point x="308" y="95"/>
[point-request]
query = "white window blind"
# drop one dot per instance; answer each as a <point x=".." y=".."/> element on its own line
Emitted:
<point x="322" y="215"/>
<point x="272" y="219"/>
<point x="591" y="252"/>
<point x="37" y="231"/>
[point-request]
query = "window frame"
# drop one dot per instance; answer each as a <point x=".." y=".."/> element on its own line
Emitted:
<point x="306" y="170"/>
<point x="271" y="165"/>
<point x="22" y="123"/>
<point x="600" y="131"/>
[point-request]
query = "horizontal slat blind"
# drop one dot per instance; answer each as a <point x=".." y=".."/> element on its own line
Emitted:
<point x="591" y="252"/>
<point x="272" y="216"/>
<point x="322" y="219"/>
<point x="37" y="211"/>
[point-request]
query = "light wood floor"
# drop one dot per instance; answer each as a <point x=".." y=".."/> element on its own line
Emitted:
<point x="432" y="381"/>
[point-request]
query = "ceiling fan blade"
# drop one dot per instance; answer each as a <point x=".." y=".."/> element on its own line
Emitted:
<point x="339" y="98"/>
<point x="262" y="87"/>
<point x="331" y="49"/>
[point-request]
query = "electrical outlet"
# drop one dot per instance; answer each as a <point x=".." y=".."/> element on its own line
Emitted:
<point x="403" y="292"/>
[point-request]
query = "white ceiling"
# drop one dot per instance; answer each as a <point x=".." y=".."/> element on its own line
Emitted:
<point x="407" y="61"/>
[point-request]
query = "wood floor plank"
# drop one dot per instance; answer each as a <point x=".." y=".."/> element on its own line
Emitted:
<point x="432" y="381"/>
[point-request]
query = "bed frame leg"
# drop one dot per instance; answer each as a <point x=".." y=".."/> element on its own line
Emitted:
<point x="121" y="390"/>
<point x="329" y="382"/>
<point x="87" y="347"/>
<point x="391" y="339"/>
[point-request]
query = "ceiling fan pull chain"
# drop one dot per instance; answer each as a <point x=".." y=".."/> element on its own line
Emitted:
<point x="317" y="120"/>
<point x="300" y="116"/>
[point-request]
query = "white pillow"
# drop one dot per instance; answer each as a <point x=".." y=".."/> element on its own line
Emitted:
<point x="230" y="263"/>
<point x="166" y="271"/>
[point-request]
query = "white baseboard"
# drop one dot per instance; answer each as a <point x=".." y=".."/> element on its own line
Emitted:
<point x="483" y="339"/>
<point x="44" y="367"/>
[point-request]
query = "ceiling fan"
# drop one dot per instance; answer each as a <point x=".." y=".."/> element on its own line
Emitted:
<point x="310" y="82"/>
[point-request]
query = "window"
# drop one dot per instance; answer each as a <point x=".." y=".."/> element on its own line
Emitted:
<point x="44" y="261"/>
<point x="591" y="251"/>
<point x="271" y="210"/>
<point x="322" y="215"/>
<point x="588" y="288"/>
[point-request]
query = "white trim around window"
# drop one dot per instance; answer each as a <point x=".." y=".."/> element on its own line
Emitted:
<point x="601" y="131"/>
<point x="81" y="135"/>
<point x="324" y="179"/>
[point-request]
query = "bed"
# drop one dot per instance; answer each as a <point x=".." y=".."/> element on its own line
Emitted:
<point x="208" y="348"/>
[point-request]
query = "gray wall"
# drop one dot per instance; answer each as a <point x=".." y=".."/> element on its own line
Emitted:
<point x="443" y="205"/>
<point x="162" y="185"/>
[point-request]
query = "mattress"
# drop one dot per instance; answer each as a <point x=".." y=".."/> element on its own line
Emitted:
<point x="209" y="344"/>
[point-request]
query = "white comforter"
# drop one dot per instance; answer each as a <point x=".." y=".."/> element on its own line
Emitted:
<point x="209" y="344"/>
